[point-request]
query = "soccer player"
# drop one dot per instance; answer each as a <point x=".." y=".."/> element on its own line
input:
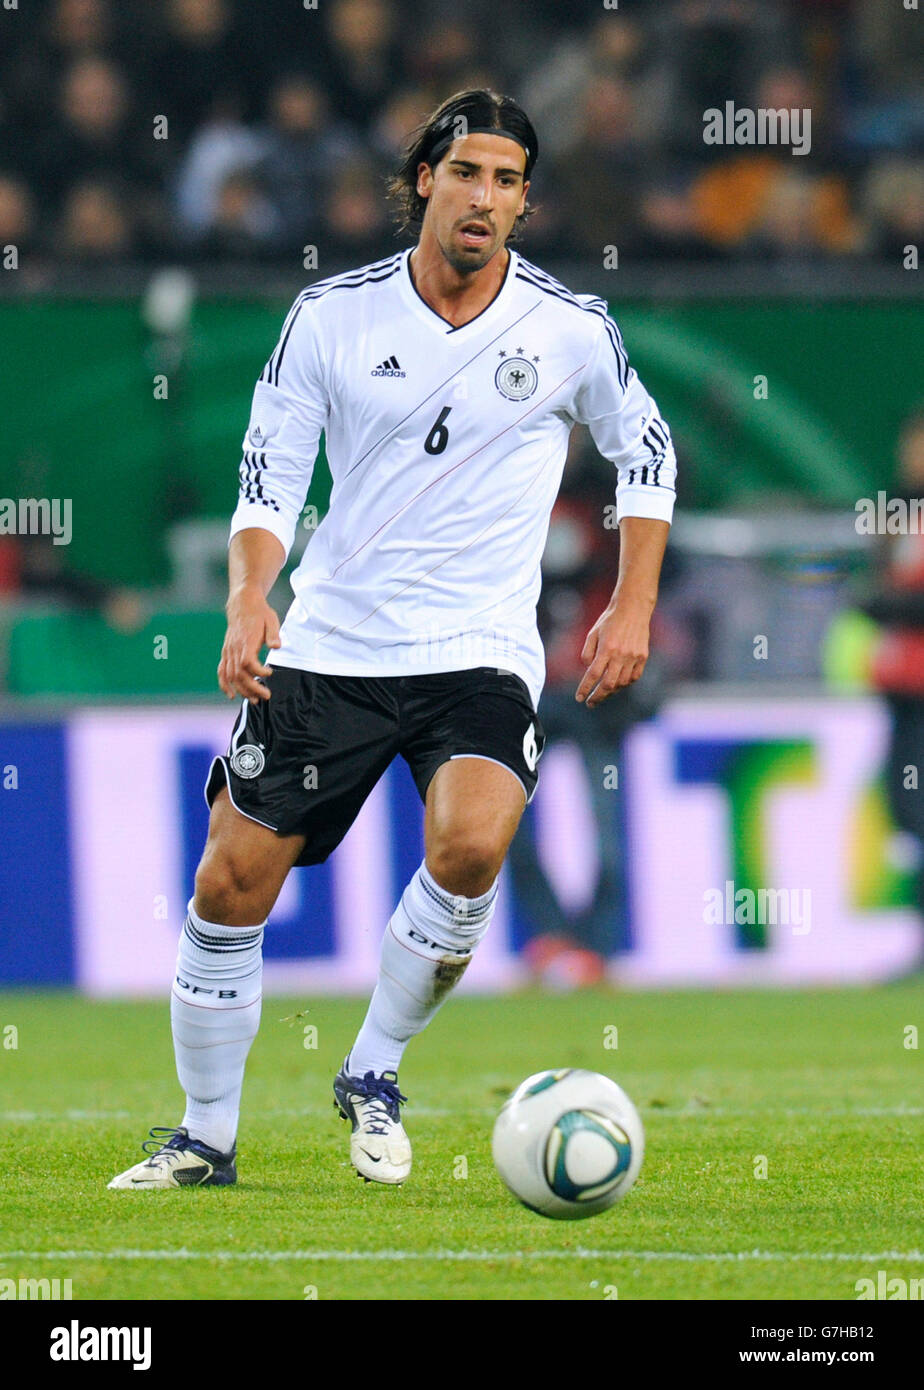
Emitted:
<point x="447" y="378"/>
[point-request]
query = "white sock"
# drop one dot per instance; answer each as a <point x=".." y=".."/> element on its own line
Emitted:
<point x="426" y="950"/>
<point x="215" y="1013"/>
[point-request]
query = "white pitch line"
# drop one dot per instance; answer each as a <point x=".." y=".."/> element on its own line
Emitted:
<point x="427" y="1110"/>
<point x="653" y="1112"/>
<point x="396" y="1256"/>
<point x="40" y="1116"/>
<point x="19" y="1116"/>
<point x="696" y="1112"/>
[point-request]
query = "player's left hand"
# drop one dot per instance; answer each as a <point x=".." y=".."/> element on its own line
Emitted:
<point x="616" y="651"/>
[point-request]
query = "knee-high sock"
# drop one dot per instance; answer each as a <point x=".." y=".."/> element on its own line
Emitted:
<point x="426" y="949"/>
<point x="215" y="1014"/>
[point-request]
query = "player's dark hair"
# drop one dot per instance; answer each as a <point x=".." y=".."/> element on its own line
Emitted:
<point x="470" y="112"/>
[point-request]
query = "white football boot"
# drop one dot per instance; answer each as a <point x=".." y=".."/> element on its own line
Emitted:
<point x="180" y="1162"/>
<point x="379" y="1148"/>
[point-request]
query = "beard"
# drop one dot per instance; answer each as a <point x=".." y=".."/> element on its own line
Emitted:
<point x="466" y="260"/>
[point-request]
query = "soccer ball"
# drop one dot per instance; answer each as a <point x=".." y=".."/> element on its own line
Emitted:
<point x="568" y="1143"/>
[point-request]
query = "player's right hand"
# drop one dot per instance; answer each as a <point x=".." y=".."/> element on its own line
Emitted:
<point x="252" y="625"/>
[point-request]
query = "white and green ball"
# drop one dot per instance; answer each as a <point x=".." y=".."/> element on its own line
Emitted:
<point x="568" y="1143"/>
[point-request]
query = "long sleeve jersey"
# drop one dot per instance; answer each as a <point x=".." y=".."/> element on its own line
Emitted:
<point x="446" y="447"/>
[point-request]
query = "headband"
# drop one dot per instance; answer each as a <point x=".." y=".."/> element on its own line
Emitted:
<point x="442" y="145"/>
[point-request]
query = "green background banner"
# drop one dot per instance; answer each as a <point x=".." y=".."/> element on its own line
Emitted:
<point x="81" y="421"/>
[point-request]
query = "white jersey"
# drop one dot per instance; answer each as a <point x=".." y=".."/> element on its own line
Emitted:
<point x="446" y="449"/>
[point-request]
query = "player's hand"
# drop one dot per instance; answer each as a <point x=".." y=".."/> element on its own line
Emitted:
<point x="252" y="625"/>
<point x="616" y="651"/>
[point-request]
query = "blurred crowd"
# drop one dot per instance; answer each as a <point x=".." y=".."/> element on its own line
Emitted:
<point x="282" y="121"/>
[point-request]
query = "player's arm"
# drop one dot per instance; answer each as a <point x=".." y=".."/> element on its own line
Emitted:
<point x="255" y="558"/>
<point x="289" y="411"/>
<point x="616" y="649"/>
<point x="628" y="429"/>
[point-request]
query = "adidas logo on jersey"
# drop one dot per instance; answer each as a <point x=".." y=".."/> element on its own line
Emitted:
<point x="390" y="367"/>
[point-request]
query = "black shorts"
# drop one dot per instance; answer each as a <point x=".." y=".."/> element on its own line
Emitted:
<point x="304" y="761"/>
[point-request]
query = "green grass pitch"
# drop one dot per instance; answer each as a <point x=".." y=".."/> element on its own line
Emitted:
<point x="823" y="1087"/>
